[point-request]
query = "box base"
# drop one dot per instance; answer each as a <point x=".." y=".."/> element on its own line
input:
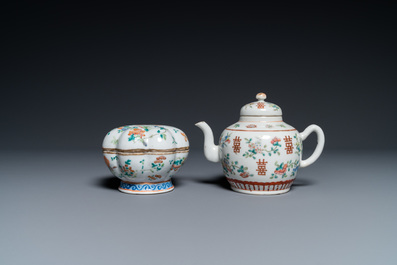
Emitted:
<point x="146" y="187"/>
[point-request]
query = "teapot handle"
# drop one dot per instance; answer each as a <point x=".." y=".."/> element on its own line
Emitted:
<point x="320" y="144"/>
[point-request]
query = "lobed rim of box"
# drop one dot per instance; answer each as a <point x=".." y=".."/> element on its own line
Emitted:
<point x="145" y="151"/>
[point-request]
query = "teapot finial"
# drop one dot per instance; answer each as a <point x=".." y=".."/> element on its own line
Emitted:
<point x="261" y="96"/>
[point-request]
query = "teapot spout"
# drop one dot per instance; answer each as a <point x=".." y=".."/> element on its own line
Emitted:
<point x="211" y="151"/>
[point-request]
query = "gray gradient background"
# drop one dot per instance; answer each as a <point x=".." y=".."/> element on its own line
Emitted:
<point x="70" y="73"/>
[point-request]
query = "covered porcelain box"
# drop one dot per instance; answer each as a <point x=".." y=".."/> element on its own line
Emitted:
<point x="145" y="157"/>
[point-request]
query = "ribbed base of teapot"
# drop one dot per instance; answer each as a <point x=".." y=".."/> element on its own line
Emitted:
<point x="260" y="188"/>
<point x="257" y="192"/>
<point x="146" y="187"/>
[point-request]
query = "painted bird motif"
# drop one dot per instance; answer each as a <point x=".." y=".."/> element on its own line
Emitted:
<point x="282" y="169"/>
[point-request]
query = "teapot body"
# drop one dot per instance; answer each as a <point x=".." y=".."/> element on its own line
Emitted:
<point x="260" y="157"/>
<point x="261" y="154"/>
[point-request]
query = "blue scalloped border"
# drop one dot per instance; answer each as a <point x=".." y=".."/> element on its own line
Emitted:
<point x="145" y="186"/>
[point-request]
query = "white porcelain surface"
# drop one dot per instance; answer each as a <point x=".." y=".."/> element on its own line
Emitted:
<point x="260" y="154"/>
<point x="145" y="157"/>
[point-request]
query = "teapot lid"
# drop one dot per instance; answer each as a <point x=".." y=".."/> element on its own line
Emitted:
<point x="261" y="108"/>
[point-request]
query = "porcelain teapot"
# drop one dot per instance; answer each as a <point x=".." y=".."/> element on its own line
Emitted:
<point x="260" y="154"/>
